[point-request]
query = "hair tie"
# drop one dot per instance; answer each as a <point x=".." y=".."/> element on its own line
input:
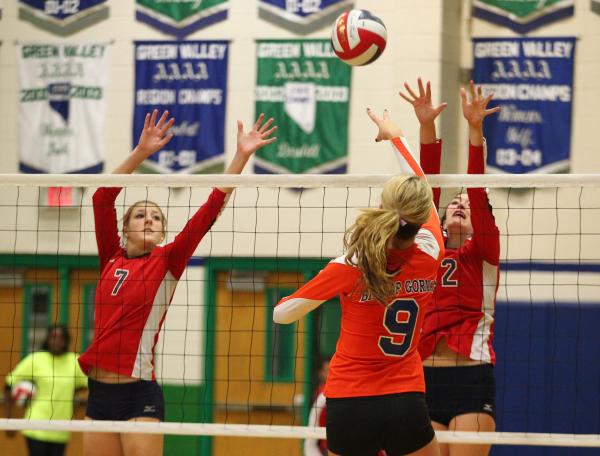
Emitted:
<point x="403" y="222"/>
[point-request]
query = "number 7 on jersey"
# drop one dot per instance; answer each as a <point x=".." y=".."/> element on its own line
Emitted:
<point x="122" y="275"/>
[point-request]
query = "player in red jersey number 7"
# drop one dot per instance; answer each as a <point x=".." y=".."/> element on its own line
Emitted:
<point x="375" y="387"/>
<point x="135" y="289"/>
<point x="456" y="344"/>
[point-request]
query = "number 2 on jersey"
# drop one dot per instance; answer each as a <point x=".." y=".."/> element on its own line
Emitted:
<point x="122" y="275"/>
<point x="450" y="265"/>
<point x="400" y="319"/>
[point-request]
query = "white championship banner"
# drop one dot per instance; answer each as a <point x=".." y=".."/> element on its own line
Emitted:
<point x="62" y="108"/>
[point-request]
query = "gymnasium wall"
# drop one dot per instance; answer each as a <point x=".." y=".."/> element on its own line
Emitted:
<point x="428" y="38"/>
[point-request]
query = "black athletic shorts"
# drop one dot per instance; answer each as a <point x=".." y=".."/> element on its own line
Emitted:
<point x="124" y="401"/>
<point x="453" y="391"/>
<point x="396" y="423"/>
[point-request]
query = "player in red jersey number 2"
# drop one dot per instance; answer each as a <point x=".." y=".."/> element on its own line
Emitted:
<point x="135" y="289"/>
<point x="375" y="387"/>
<point x="456" y="343"/>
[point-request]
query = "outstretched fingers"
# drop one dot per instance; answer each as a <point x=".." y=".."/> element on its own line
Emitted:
<point x="266" y="125"/>
<point x="166" y="127"/>
<point x="472" y="90"/>
<point x="153" y="118"/>
<point x="410" y="91"/>
<point x="421" y="87"/>
<point x="266" y="134"/>
<point x="163" y="142"/>
<point x="440" y="108"/>
<point x="265" y="142"/>
<point x="162" y="120"/>
<point x="463" y="96"/>
<point x="374" y="117"/>
<point x="259" y="121"/>
<point x="406" y="97"/>
<point x="492" y="110"/>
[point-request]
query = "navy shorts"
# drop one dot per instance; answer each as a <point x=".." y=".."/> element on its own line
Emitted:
<point x="453" y="391"/>
<point x="396" y="423"/>
<point x="124" y="401"/>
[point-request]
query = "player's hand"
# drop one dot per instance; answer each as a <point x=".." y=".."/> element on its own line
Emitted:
<point x="475" y="111"/>
<point x="155" y="135"/>
<point x="387" y="128"/>
<point x="424" y="109"/>
<point x="259" y="136"/>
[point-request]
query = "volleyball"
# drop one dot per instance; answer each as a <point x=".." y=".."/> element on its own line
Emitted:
<point x="22" y="393"/>
<point x="358" y="37"/>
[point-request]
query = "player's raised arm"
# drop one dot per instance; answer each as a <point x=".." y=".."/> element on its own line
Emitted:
<point x="431" y="147"/>
<point x="486" y="236"/>
<point x="388" y="130"/>
<point x="154" y="136"/>
<point x="184" y="245"/>
<point x="248" y="143"/>
<point x="424" y="110"/>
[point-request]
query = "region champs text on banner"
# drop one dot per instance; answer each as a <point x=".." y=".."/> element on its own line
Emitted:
<point x="189" y="79"/>
<point x="532" y="80"/>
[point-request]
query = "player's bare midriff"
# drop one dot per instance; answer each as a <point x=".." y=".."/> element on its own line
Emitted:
<point x="104" y="376"/>
<point x="444" y="356"/>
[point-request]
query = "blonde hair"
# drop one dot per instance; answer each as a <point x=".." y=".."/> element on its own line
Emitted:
<point x="404" y="197"/>
<point x="127" y="215"/>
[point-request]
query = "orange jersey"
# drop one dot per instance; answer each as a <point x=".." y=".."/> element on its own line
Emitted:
<point x="376" y="353"/>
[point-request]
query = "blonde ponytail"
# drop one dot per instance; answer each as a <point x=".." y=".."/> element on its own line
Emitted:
<point x="366" y="241"/>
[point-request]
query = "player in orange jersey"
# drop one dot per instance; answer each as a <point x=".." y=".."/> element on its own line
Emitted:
<point x="456" y="343"/>
<point x="375" y="387"/>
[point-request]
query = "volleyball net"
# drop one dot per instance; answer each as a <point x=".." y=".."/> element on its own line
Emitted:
<point x="225" y="368"/>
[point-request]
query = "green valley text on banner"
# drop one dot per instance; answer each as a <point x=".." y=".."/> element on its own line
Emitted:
<point x="63" y="17"/>
<point x="180" y="17"/>
<point x="532" y="80"/>
<point x="62" y="107"/>
<point x="302" y="16"/>
<point x="596" y="6"/>
<point x="306" y="88"/>
<point x="189" y="79"/>
<point x="522" y="16"/>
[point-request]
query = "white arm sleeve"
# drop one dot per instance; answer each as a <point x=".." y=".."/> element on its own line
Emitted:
<point x="294" y="309"/>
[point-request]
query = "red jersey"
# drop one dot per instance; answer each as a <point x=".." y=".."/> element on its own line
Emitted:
<point x="133" y="294"/>
<point x="465" y="298"/>
<point x="317" y="418"/>
<point x="376" y="353"/>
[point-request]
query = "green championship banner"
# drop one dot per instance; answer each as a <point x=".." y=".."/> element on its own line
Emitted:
<point x="306" y="88"/>
<point x="524" y="15"/>
<point x="181" y="17"/>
